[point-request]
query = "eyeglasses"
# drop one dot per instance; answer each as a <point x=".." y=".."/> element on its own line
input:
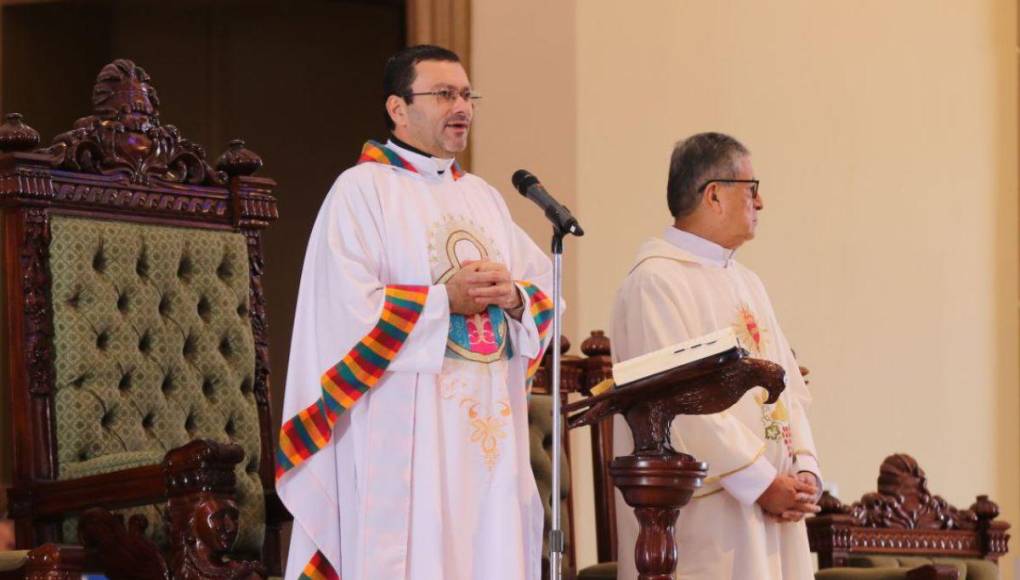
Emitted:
<point x="449" y="96"/>
<point x="753" y="182"/>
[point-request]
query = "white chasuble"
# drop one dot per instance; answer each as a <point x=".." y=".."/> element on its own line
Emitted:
<point x="683" y="287"/>
<point x="405" y="450"/>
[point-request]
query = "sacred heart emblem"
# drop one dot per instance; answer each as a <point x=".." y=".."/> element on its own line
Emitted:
<point x="453" y="243"/>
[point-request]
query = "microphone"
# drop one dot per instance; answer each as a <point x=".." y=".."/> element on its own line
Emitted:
<point x="528" y="185"/>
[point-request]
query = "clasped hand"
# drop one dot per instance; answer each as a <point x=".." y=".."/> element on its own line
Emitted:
<point x="480" y="284"/>
<point x="790" y="497"/>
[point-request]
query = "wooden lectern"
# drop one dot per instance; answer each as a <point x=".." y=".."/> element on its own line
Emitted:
<point x="655" y="479"/>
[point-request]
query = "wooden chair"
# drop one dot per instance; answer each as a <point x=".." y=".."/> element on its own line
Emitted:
<point x="134" y="324"/>
<point x="577" y="375"/>
<point x="903" y="526"/>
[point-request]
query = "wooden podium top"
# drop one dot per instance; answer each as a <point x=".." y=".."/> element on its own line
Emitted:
<point x="710" y="385"/>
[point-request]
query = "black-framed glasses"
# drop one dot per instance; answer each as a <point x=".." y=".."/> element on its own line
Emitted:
<point x="754" y="185"/>
<point x="449" y="96"/>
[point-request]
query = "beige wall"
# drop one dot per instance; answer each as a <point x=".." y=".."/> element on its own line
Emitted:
<point x="885" y="134"/>
<point x="523" y="65"/>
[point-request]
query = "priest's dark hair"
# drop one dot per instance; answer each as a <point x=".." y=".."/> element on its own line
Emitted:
<point x="399" y="74"/>
<point x="696" y="160"/>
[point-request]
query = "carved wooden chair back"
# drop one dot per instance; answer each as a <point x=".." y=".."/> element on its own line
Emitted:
<point x="903" y="521"/>
<point x="134" y="319"/>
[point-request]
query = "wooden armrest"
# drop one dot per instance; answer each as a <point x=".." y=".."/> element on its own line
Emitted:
<point x="49" y="561"/>
<point x="200" y="464"/>
<point x="130" y="487"/>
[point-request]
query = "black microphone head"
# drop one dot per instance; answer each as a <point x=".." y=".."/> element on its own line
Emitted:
<point x="522" y="180"/>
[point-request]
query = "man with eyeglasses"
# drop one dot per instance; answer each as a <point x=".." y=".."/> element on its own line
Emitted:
<point x="422" y="313"/>
<point x="746" y="521"/>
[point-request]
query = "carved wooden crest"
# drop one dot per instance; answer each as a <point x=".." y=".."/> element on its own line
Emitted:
<point x="904" y="501"/>
<point x="124" y="136"/>
<point x="904" y="517"/>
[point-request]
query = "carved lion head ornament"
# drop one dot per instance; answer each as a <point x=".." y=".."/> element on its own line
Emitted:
<point x="212" y="527"/>
<point x="213" y="524"/>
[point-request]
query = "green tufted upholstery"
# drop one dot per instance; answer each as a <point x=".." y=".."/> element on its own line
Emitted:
<point x="867" y="567"/>
<point x="153" y="349"/>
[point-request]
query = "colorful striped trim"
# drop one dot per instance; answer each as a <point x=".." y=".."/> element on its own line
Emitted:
<point x="375" y="152"/>
<point x="456" y="171"/>
<point x="318" y="568"/>
<point x="360" y="370"/>
<point x="540" y="307"/>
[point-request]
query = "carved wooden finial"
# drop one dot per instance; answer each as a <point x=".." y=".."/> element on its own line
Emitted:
<point x="564" y="347"/>
<point x="900" y="474"/>
<point x="16" y="135"/>
<point x="830" y="504"/>
<point x="985" y="509"/>
<point x="596" y="345"/>
<point x="237" y="160"/>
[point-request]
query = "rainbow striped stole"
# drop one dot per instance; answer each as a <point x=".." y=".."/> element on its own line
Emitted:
<point x="540" y="306"/>
<point x="344" y="384"/>
<point x="318" y="568"/>
<point x="456" y="171"/>
<point x="375" y="152"/>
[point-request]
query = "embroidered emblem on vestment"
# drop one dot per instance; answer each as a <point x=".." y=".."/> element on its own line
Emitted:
<point x="776" y="421"/>
<point x="751" y="334"/>
<point x="775" y="418"/>
<point x="488" y="430"/>
<point x="454" y="242"/>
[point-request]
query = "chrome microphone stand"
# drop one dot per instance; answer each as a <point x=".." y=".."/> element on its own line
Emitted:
<point x="556" y="532"/>
<point x="563" y="224"/>
<point x="556" y="540"/>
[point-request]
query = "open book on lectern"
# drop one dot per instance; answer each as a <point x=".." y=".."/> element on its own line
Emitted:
<point x="677" y="355"/>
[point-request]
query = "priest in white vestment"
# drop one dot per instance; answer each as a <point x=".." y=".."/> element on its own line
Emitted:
<point x="745" y="523"/>
<point x="422" y="312"/>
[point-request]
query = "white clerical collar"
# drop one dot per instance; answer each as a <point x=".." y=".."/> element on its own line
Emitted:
<point x="697" y="246"/>
<point x="425" y="164"/>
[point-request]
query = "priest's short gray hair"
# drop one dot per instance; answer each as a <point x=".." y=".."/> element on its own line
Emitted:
<point x="695" y="160"/>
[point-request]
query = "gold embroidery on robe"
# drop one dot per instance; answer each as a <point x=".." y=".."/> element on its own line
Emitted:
<point x="488" y="430"/>
<point x="775" y="418"/>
